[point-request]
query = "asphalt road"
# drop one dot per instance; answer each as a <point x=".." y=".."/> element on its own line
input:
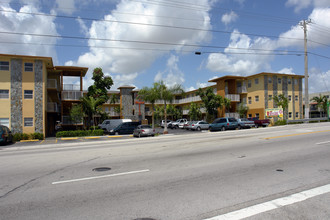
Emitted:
<point x="269" y="173"/>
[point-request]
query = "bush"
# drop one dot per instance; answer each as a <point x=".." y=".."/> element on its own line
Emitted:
<point x="80" y="133"/>
<point x="26" y="136"/>
<point x="280" y="122"/>
<point x="17" y="137"/>
<point x="94" y="128"/>
<point x="39" y="136"/>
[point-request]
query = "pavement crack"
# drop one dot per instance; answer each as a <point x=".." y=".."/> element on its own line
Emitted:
<point x="42" y="176"/>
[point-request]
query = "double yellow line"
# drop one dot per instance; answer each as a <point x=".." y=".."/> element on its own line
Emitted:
<point x="291" y="135"/>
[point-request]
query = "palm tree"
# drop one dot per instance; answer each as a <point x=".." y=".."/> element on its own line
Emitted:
<point x="149" y="95"/>
<point x="167" y="95"/>
<point x="194" y="111"/>
<point x="90" y="107"/>
<point x="321" y="102"/>
<point x="282" y="101"/>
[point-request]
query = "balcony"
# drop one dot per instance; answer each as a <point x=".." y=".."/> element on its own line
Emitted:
<point x="71" y="87"/>
<point x="53" y="107"/>
<point x="241" y="90"/>
<point x="72" y="95"/>
<point x="232" y="115"/>
<point x="233" y="97"/>
<point x="186" y="111"/>
<point x="112" y="113"/>
<point x="190" y="99"/>
<point x="52" y="84"/>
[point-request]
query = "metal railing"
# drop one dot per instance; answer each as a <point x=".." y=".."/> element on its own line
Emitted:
<point x="51" y="83"/>
<point x="53" y="107"/>
<point x="309" y="120"/>
<point x="71" y="87"/>
<point x="233" y="97"/>
<point x="71" y="95"/>
<point x="242" y="90"/>
<point x="112" y="113"/>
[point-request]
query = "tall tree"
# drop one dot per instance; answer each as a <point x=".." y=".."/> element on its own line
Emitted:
<point x="149" y="95"/>
<point x="194" y="111"/>
<point x="321" y="101"/>
<point x="282" y="101"/>
<point x="211" y="102"/>
<point x="99" y="90"/>
<point x="242" y="110"/>
<point x="76" y="114"/>
<point x="167" y="94"/>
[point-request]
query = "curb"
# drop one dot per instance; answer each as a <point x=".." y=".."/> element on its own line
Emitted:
<point x="33" y="140"/>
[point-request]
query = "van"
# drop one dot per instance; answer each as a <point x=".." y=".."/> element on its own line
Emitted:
<point x="222" y="124"/>
<point x="125" y="128"/>
<point x="110" y="124"/>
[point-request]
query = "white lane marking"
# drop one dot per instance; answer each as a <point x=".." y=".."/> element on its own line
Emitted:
<point x="326" y="142"/>
<point x="274" y="204"/>
<point x="99" y="177"/>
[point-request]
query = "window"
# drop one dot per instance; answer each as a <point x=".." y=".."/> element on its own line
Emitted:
<point x="256" y="81"/>
<point x="269" y="79"/>
<point x="28" y="67"/>
<point x="4" y="121"/>
<point x="297" y="114"/>
<point x="4" y="94"/>
<point x="289" y="98"/>
<point x="289" y="80"/>
<point x="106" y="109"/>
<point x="250" y="115"/>
<point x="249" y="84"/>
<point x="279" y="80"/>
<point x="296" y="98"/>
<point x="28" y="122"/>
<point x="290" y="114"/>
<point x="257" y="98"/>
<point x="28" y="94"/>
<point x="249" y="100"/>
<point x="295" y="81"/>
<point x="270" y="97"/>
<point x="257" y="115"/>
<point x="4" y="65"/>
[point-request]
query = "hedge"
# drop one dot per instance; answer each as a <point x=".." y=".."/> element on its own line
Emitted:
<point x="80" y="133"/>
<point x="24" y="136"/>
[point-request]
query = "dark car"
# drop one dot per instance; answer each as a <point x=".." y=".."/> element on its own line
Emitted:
<point x="143" y="131"/>
<point x="5" y="135"/>
<point x="125" y="128"/>
<point x="222" y="124"/>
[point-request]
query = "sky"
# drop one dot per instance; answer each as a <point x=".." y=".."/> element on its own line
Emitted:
<point x="139" y="42"/>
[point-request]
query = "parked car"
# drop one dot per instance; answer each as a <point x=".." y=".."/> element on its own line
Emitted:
<point x="143" y="131"/>
<point x="125" y="128"/>
<point x="110" y="124"/>
<point x="179" y="123"/>
<point x="199" y="125"/>
<point x="162" y="123"/>
<point x="222" y="124"/>
<point x="245" y="123"/>
<point x="5" y="135"/>
<point x="260" y="122"/>
<point x="187" y="125"/>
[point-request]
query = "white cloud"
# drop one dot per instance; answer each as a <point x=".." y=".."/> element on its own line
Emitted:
<point x="286" y="71"/>
<point x="318" y="80"/>
<point x="172" y="75"/>
<point x="18" y="23"/>
<point x="137" y="57"/>
<point x="302" y="4"/>
<point x="229" y="18"/>
<point x="65" y="6"/>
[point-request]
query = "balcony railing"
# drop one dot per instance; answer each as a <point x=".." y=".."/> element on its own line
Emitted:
<point x="190" y="99"/>
<point x="71" y="87"/>
<point x="66" y="120"/>
<point x="51" y="83"/>
<point x="233" y="97"/>
<point x="112" y="114"/>
<point x="53" y="107"/>
<point x="71" y="95"/>
<point x="232" y="115"/>
<point x="186" y="111"/>
<point x="241" y="90"/>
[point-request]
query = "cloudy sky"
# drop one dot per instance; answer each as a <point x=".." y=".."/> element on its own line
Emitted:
<point x="139" y="42"/>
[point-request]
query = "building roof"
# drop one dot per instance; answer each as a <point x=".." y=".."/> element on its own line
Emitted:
<point x="226" y="78"/>
<point x="71" y="70"/>
<point x="48" y="60"/>
<point x="126" y="87"/>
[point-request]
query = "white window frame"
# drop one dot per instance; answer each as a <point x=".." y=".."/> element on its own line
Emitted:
<point x="256" y="81"/>
<point x="297" y="114"/>
<point x="249" y="83"/>
<point x="27" y="95"/>
<point x="289" y="80"/>
<point x="270" y="79"/>
<point x="28" y="122"/>
<point x="4" y="65"/>
<point x="27" y="67"/>
<point x="296" y="98"/>
<point x="279" y="80"/>
<point x="4" y="93"/>
<point x="290" y="114"/>
<point x="256" y="98"/>
<point x="289" y="98"/>
<point x="250" y="100"/>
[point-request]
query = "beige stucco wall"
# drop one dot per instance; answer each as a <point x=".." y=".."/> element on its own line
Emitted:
<point x="28" y="104"/>
<point x="5" y="84"/>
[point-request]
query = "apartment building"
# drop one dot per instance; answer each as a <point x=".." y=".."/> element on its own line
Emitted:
<point x="34" y="95"/>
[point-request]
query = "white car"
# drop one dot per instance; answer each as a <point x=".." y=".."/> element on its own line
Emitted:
<point x="179" y="123"/>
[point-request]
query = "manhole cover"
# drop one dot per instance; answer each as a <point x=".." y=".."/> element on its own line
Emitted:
<point x="100" y="169"/>
<point x="279" y="170"/>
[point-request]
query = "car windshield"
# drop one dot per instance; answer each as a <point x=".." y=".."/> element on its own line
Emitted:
<point x="145" y="126"/>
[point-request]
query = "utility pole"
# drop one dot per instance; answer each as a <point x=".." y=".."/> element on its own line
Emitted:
<point x="304" y="26"/>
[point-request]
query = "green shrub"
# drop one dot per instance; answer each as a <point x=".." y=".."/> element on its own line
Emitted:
<point x="94" y="128"/>
<point x="39" y="136"/>
<point x="17" y="137"/>
<point x="280" y="122"/>
<point x="26" y="136"/>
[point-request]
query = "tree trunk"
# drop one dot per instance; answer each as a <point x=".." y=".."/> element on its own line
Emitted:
<point x="165" y="117"/>
<point x="152" y="117"/>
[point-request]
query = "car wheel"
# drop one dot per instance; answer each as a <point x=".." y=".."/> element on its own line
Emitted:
<point x="116" y="133"/>
<point x="176" y="126"/>
<point x="198" y="128"/>
<point x="139" y="135"/>
<point x="257" y="126"/>
<point x="223" y="129"/>
<point x="239" y="127"/>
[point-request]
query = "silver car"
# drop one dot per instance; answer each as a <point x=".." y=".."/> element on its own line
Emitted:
<point x="143" y="131"/>
<point x="199" y="125"/>
<point x="245" y="123"/>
